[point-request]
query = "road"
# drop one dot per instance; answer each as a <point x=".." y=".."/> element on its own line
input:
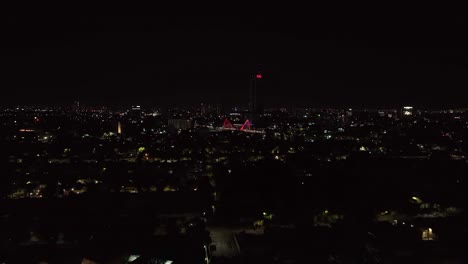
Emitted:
<point x="225" y="241"/>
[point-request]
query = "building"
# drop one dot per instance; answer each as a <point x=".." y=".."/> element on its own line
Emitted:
<point x="255" y="105"/>
<point x="204" y="109"/>
<point x="76" y="106"/>
<point x="119" y="128"/>
<point x="218" y="108"/>
<point x="407" y="111"/>
<point x="180" y="124"/>
<point x="211" y="109"/>
<point x="135" y="111"/>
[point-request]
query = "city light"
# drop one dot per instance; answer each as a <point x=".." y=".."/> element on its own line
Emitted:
<point x="158" y="138"/>
<point x="132" y="258"/>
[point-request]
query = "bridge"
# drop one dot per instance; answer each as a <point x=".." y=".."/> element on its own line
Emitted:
<point x="246" y="127"/>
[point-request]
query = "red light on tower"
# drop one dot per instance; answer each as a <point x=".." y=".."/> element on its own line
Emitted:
<point x="259" y="76"/>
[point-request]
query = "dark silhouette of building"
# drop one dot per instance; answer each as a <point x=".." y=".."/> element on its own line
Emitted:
<point x="135" y="111"/>
<point x="255" y="102"/>
<point x="211" y="109"/>
<point x="180" y="124"/>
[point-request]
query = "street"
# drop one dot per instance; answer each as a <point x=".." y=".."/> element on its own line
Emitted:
<point x="225" y="241"/>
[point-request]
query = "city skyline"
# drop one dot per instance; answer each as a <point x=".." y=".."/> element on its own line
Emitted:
<point x="319" y="136"/>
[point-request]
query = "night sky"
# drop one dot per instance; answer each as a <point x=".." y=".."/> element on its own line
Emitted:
<point x="313" y="59"/>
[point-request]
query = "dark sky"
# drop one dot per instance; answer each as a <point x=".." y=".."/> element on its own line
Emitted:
<point x="316" y="58"/>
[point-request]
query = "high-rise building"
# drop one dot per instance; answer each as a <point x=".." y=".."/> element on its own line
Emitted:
<point x="180" y="124"/>
<point x="119" y="128"/>
<point x="204" y="109"/>
<point x="407" y="111"/>
<point x="255" y="105"/>
<point x="213" y="109"/>
<point x="135" y="111"/>
<point x="76" y="106"/>
<point x="218" y="109"/>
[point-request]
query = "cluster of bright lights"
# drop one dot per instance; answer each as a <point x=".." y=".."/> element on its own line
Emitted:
<point x="132" y="258"/>
<point x="407" y="110"/>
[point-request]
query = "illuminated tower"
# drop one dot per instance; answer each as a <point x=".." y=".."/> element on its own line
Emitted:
<point x="119" y="128"/>
<point x="254" y="108"/>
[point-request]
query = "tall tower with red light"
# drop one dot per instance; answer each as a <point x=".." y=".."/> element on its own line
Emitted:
<point x="254" y="107"/>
